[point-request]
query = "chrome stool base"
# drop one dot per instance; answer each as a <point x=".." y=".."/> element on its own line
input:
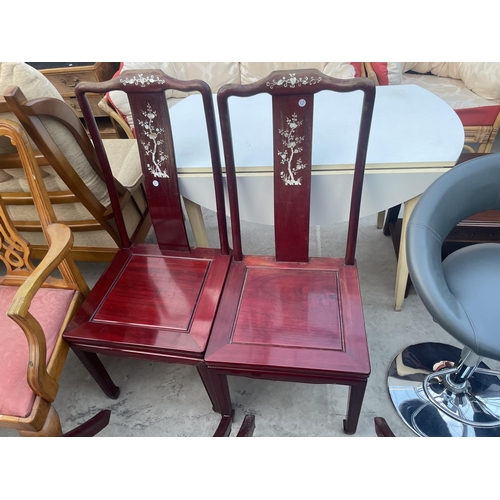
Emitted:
<point x="480" y="402"/>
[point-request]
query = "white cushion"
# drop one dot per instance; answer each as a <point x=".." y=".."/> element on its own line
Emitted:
<point x="32" y="83"/>
<point x="454" y="92"/>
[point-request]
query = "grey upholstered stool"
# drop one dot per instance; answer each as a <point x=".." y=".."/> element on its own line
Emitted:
<point x="440" y="390"/>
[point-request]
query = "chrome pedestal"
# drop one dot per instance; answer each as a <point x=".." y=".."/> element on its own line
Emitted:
<point x="470" y="412"/>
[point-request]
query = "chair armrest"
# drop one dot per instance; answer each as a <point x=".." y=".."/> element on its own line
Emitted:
<point x="106" y="107"/>
<point x="38" y="378"/>
<point x="370" y="73"/>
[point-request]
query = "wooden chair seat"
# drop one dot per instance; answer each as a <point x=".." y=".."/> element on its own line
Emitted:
<point x="292" y="319"/>
<point x="50" y="307"/>
<point x="153" y="303"/>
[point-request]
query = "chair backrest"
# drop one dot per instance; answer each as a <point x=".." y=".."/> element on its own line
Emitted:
<point x="64" y="145"/>
<point x="146" y="94"/>
<point x="465" y="190"/>
<point x="292" y="109"/>
<point x="14" y="249"/>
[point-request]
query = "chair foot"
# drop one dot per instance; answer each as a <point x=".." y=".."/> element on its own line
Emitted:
<point x="247" y="427"/>
<point x="356" y="395"/>
<point x="406" y="377"/>
<point x="382" y="429"/>
<point x="224" y="429"/>
<point x="92" y="426"/>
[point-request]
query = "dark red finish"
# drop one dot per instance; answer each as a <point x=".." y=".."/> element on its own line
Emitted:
<point x="154" y="301"/>
<point x="92" y="427"/>
<point x="290" y="317"/>
<point x="292" y="225"/>
<point x="382" y="428"/>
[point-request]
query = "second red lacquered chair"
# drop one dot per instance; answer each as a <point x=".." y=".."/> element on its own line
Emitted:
<point x="154" y="301"/>
<point x="290" y="317"/>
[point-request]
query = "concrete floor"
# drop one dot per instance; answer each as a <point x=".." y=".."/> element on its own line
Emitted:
<point x="169" y="400"/>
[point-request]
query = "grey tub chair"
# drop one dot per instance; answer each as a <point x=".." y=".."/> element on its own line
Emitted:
<point x="440" y="390"/>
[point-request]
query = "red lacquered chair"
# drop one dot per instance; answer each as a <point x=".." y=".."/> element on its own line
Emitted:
<point x="154" y="301"/>
<point x="290" y="317"/>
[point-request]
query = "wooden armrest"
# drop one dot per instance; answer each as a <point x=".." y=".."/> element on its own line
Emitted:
<point x="38" y="378"/>
<point x="106" y="107"/>
<point x="4" y="107"/>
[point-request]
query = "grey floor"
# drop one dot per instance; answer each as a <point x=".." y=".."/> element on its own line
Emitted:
<point x="169" y="400"/>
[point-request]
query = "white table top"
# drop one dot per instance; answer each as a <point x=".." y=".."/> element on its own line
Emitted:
<point x="415" y="137"/>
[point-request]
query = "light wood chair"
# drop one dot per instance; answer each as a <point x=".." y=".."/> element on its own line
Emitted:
<point x="73" y="177"/>
<point x="35" y="309"/>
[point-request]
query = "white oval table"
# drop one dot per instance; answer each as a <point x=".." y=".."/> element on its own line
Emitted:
<point x="415" y="137"/>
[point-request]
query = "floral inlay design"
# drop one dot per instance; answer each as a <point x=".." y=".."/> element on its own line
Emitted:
<point x="152" y="147"/>
<point x="141" y="80"/>
<point x="292" y="147"/>
<point x="292" y="81"/>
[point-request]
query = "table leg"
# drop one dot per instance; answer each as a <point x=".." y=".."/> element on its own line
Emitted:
<point x="197" y="223"/>
<point x="402" y="266"/>
<point x="380" y="219"/>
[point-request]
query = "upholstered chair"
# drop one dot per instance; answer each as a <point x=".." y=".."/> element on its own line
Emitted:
<point x="70" y="169"/>
<point x="440" y="389"/>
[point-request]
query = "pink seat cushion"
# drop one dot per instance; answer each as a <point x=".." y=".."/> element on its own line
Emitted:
<point x="49" y="307"/>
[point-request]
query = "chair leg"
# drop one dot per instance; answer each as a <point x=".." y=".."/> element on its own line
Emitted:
<point x="380" y="219"/>
<point x="382" y="429"/>
<point x="51" y="428"/>
<point x="247" y="427"/>
<point x="95" y="367"/>
<point x="224" y="428"/>
<point x="221" y="392"/>
<point x="402" y="273"/>
<point x="207" y="382"/>
<point x="392" y="216"/>
<point x="92" y="426"/>
<point x="356" y="395"/>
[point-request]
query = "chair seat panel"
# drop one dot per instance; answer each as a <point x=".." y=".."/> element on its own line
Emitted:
<point x="153" y="301"/>
<point x="289" y="307"/>
<point x="472" y="276"/>
<point x="49" y="307"/>
<point x="163" y="303"/>
<point x="291" y="318"/>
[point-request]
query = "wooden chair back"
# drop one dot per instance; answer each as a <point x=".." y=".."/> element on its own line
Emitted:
<point x="32" y="115"/>
<point x="146" y="94"/>
<point x="292" y="110"/>
<point x="15" y="251"/>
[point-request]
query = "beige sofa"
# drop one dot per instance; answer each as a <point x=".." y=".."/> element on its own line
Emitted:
<point x="215" y="74"/>
<point x="85" y="210"/>
<point x="472" y="89"/>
